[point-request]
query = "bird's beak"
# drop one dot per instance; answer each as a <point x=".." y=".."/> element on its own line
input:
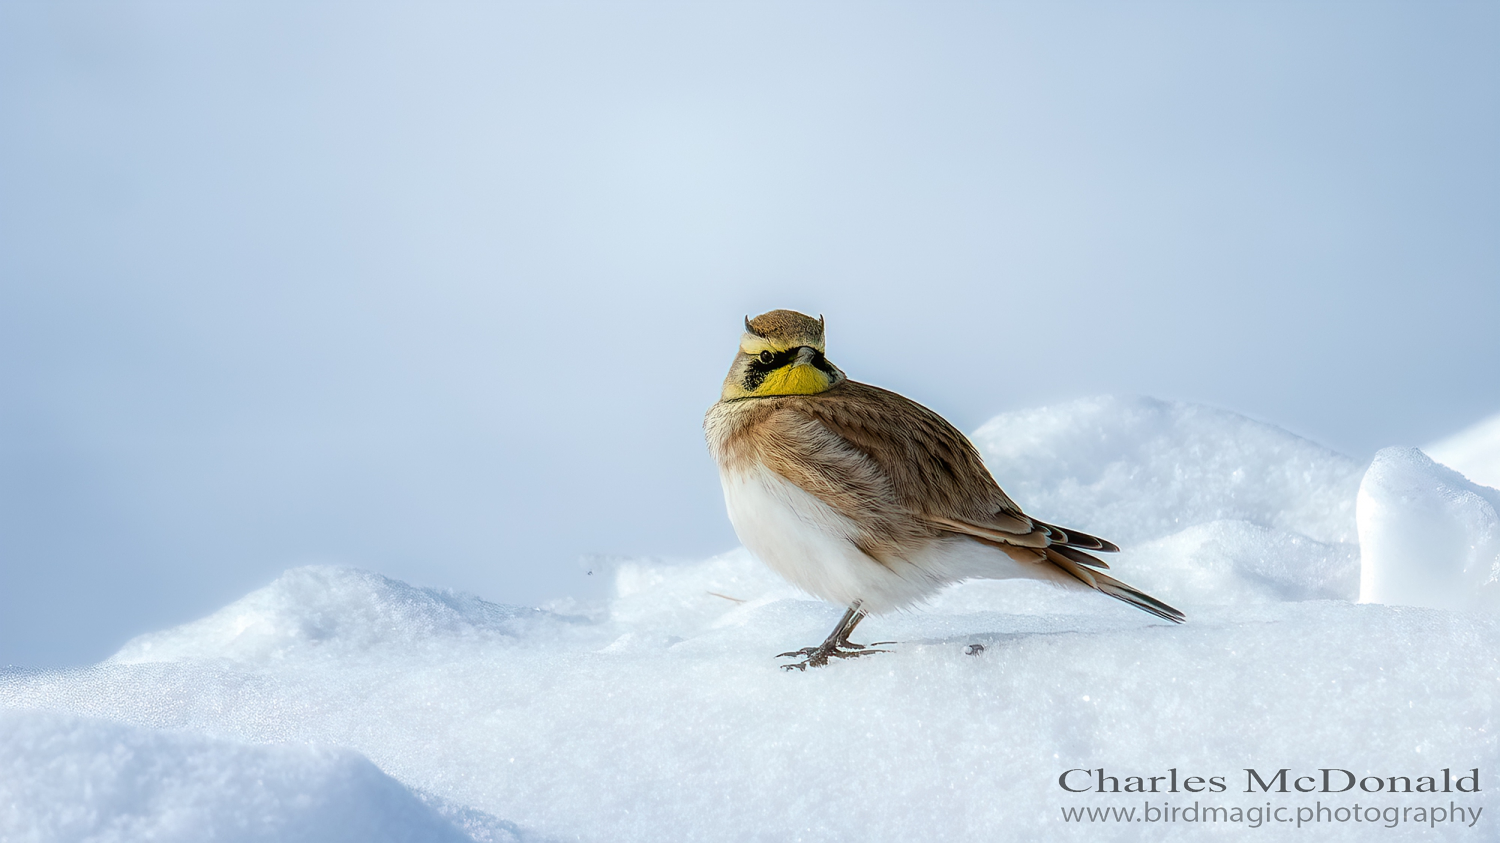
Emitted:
<point x="805" y="356"/>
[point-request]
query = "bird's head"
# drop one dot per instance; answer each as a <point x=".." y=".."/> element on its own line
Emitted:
<point x="781" y="353"/>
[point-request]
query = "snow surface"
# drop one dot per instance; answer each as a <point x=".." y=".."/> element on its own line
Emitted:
<point x="70" y="778"/>
<point x="1473" y="452"/>
<point x="1429" y="536"/>
<point x="660" y="714"/>
<point x="1210" y="506"/>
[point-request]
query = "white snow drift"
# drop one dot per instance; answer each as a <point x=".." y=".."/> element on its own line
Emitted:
<point x="1211" y="507"/>
<point x="660" y="714"/>
<point x="71" y="778"/>
<point x="1430" y="537"/>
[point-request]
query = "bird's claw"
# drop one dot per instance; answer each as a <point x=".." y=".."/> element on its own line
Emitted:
<point x="805" y="651"/>
<point x="819" y="656"/>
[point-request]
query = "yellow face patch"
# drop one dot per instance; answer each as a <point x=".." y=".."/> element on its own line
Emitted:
<point x="796" y="379"/>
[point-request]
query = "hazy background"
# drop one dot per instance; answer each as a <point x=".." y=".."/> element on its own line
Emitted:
<point x="444" y="291"/>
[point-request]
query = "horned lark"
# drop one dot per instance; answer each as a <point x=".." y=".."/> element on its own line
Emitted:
<point x="867" y="499"/>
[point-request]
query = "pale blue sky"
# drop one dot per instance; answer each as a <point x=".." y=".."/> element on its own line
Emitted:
<point x="443" y="290"/>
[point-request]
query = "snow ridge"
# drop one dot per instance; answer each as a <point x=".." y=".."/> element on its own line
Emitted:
<point x="339" y="704"/>
<point x="324" y="607"/>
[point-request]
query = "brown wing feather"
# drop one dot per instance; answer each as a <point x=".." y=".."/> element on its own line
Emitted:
<point x="926" y="481"/>
<point x="1073" y="538"/>
<point x="933" y="468"/>
<point x="935" y="471"/>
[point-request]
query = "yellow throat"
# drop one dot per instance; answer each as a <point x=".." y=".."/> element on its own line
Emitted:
<point x="796" y="379"/>
<point x="764" y="370"/>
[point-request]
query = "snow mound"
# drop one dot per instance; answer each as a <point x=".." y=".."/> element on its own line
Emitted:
<point x="1210" y="507"/>
<point x="1473" y="451"/>
<point x="663" y="714"/>
<point x="1226" y="562"/>
<point x="1137" y="469"/>
<point x="1429" y="537"/>
<point x="659" y="723"/>
<point x="680" y="600"/>
<point x="340" y="609"/>
<point x="72" y="778"/>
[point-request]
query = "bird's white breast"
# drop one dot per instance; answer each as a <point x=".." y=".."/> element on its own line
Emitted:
<point x="813" y="546"/>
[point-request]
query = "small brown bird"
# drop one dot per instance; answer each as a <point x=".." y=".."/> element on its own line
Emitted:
<point x="867" y="499"/>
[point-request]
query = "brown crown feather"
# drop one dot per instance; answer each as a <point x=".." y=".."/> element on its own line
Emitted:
<point x="788" y="326"/>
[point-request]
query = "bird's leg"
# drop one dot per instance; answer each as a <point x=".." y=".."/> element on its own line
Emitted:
<point x="847" y="629"/>
<point x="836" y="645"/>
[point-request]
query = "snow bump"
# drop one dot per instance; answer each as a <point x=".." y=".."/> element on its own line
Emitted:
<point x="1428" y="536"/>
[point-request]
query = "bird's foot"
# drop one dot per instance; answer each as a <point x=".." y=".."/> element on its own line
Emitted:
<point x="819" y="655"/>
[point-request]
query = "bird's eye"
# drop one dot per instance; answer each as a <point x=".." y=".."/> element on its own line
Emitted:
<point x="767" y="357"/>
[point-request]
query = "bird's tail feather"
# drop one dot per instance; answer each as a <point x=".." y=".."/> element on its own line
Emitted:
<point x="1113" y="587"/>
